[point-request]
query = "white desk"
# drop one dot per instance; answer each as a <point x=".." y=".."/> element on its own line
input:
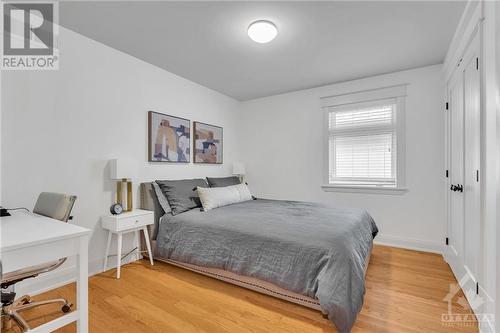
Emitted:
<point x="29" y="239"/>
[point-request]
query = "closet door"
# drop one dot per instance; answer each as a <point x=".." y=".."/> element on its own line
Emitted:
<point x="456" y="141"/>
<point x="464" y="135"/>
<point x="472" y="108"/>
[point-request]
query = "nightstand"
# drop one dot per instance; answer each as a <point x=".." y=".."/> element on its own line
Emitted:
<point x="127" y="222"/>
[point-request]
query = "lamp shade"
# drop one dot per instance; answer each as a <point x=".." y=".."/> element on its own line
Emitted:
<point x="121" y="168"/>
<point x="238" y="168"/>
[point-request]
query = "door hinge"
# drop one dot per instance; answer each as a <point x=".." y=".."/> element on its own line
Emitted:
<point x="477" y="176"/>
<point x="446" y="105"/>
<point x="477" y="288"/>
<point x="447" y="241"/>
<point x="446" y="173"/>
<point x="477" y="63"/>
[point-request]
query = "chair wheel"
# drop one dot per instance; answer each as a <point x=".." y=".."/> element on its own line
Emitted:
<point x="66" y="308"/>
<point x="26" y="300"/>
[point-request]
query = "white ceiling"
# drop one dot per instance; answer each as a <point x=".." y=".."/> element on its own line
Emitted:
<point x="318" y="42"/>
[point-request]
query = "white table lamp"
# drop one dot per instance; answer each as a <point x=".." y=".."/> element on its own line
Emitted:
<point x="122" y="170"/>
<point x="239" y="170"/>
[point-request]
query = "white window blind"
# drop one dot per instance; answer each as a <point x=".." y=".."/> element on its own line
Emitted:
<point x="362" y="144"/>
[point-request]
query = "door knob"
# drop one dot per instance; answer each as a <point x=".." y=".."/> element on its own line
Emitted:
<point x="460" y="188"/>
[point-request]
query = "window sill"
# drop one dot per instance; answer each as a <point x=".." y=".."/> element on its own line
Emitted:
<point x="364" y="189"/>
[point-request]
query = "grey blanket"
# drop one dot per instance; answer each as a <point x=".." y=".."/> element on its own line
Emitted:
<point x="311" y="249"/>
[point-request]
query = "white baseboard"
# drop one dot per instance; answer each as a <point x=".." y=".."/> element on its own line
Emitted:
<point x="60" y="277"/>
<point x="486" y="327"/>
<point x="409" y="243"/>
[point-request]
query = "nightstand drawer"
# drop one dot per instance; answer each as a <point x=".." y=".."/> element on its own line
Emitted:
<point x="127" y="221"/>
<point x="133" y="222"/>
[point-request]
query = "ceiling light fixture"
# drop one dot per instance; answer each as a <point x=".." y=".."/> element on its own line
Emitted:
<point x="262" y="31"/>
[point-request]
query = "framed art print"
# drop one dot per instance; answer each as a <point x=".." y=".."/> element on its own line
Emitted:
<point x="207" y="143"/>
<point x="168" y="138"/>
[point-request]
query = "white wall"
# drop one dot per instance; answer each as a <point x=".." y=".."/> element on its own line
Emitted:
<point x="282" y="141"/>
<point x="59" y="128"/>
<point x="491" y="45"/>
<point x="496" y="254"/>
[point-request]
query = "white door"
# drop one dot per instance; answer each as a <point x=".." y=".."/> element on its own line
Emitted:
<point x="463" y="252"/>
<point x="472" y="108"/>
<point x="456" y="132"/>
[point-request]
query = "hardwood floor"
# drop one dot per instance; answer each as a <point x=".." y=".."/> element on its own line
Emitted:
<point x="405" y="291"/>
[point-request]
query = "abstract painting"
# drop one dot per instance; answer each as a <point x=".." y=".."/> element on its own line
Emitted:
<point x="207" y="143"/>
<point x="168" y="138"/>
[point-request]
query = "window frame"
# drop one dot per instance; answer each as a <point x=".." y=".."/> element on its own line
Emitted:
<point x="397" y="93"/>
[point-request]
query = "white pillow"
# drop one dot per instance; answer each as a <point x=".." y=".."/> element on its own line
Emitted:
<point x="214" y="197"/>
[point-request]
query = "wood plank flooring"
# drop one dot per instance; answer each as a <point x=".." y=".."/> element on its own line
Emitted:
<point x="405" y="291"/>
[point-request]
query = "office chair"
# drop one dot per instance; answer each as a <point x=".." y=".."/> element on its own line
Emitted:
<point x="56" y="206"/>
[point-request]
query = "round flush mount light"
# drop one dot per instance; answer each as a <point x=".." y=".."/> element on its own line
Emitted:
<point x="262" y="31"/>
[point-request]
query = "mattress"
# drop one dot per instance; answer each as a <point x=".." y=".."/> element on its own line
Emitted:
<point x="312" y="250"/>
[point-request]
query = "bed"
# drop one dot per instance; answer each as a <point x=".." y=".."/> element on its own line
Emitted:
<point x="305" y="253"/>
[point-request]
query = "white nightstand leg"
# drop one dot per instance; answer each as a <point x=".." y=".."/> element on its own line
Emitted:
<point x="107" y="251"/>
<point x="136" y="245"/>
<point x="119" y="255"/>
<point x="148" y="245"/>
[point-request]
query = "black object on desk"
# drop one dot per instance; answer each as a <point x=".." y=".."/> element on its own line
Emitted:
<point x="4" y="212"/>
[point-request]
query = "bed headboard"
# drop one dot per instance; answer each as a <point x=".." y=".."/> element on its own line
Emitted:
<point x="149" y="201"/>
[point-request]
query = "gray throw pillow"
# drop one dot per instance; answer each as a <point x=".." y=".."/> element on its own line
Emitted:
<point x="162" y="199"/>
<point x="223" y="181"/>
<point x="180" y="193"/>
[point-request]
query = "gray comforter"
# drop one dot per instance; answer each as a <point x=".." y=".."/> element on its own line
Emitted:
<point x="311" y="249"/>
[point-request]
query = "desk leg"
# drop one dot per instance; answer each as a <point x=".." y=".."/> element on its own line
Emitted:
<point x="136" y="245"/>
<point x="107" y="251"/>
<point x="148" y="244"/>
<point x="82" y="287"/>
<point x="119" y="256"/>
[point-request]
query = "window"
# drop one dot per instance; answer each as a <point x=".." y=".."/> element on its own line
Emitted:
<point x="365" y="142"/>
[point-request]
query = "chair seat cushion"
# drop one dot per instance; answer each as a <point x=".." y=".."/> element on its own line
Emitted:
<point x="23" y="273"/>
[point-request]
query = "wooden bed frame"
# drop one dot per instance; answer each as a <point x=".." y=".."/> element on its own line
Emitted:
<point x="150" y="202"/>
